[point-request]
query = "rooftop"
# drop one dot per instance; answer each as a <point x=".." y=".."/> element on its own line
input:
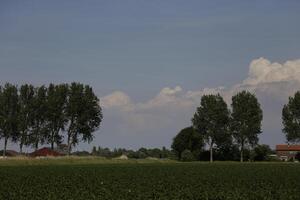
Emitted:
<point x="287" y="147"/>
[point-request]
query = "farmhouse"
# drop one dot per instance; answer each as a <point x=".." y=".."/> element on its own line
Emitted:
<point x="286" y="152"/>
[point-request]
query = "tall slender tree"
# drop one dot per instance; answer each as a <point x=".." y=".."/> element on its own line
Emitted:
<point x="39" y="117"/>
<point x="211" y="120"/>
<point x="246" y="119"/>
<point x="8" y="113"/>
<point x="25" y="114"/>
<point x="83" y="113"/>
<point x="56" y="113"/>
<point x="291" y="118"/>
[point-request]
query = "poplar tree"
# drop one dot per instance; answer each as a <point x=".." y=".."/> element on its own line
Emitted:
<point x="84" y="114"/>
<point x="291" y="118"/>
<point x="56" y="113"/>
<point x="211" y="120"/>
<point x="246" y="120"/>
<point x="39" y="114"/>
<point x="8" y="113"/>
<point x="25" y="114"/>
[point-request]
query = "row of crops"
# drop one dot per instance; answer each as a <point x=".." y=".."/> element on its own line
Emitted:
<point x="152" y="181"/>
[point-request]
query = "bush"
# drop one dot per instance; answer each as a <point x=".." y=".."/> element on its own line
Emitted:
<point x="189" y="139"/>
<point x="261" y="152"/>
<point x="297" y="157"/>
<point x="187" y="156"/>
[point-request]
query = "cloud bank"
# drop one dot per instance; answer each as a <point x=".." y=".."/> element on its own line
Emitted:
<point x="172" y="108"/>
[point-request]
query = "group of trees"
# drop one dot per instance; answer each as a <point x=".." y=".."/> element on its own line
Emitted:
<point x="291" y="119"/>
<point x="220" y="128"/>
<point x="32" y="115"/>
<point x="227" y="132"/>
<point x="138" y="154"/>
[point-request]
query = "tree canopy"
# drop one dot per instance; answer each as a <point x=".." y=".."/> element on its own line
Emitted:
<point x="45" y="115"/>
<point x="211" y="121"/>
<point x="56" y="103"/>
<point x="246" y="119"/>
<point x="187" y="139"/>
<point x="83" y="114"/>
<point x="291" y="118"/>
<point x="8" y="113"/>
<point x="25" y="114"/>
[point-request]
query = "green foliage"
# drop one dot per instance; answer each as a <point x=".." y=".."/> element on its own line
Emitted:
<point x="291" y="118"/>
<point x="83" y="114"/>
<point x="246" y="119"/>
<point x="33" y="116"/>
<point x="227" y="151"/>
<point x="297" y="156"/>
<point x="39" y="117"/>
<point x="25" y="115"/>
<point x="8" y="113"/>
<point x="219" y="181"/>
<point x="187" y="139"/>
<point x="141" y="153"/>
<point x="81" y="153"/>
<point x="187" y="156"/>
<point x="211" y="120"/>
<point x="56" y="112"/>
<point x="261" y="152"/>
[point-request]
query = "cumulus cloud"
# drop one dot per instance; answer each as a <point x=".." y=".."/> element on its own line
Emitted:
<point x="264" y="76"/>
<point x="263" y="71"/>
<point x="116" y="99"/>
<point x="167" y="97"/>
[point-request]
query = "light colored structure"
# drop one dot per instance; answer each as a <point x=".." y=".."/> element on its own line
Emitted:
<point x="287" y="152"/>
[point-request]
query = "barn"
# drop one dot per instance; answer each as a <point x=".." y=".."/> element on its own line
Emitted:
<point x="43" y="152"/>
<point x="287" y="152"/>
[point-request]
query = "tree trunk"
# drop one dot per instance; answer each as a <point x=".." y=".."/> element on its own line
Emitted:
<point x="36" y="145"/>
<point x="69" y="144"/>
<point x="211" y="152"/>
<point x="242" y="153"/>
<point x="21" y="147"/>
<point x="52" y="140"/>
<point x="52" y="145"/>
<point x="5" y="145"/>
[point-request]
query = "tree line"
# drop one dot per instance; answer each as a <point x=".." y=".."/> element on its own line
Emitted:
<point x="33" y="116"/>
<point x="258" y="153"/>
<point x="228" y="131"/>
<point x="141" y="153"/>
<point x="216" y="126"/>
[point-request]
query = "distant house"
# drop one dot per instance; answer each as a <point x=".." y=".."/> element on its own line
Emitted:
<point x="43" y="152"/>
<point x="287" y="152"/>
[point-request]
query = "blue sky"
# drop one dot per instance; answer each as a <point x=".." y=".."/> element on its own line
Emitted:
<point x="140" y="47"/>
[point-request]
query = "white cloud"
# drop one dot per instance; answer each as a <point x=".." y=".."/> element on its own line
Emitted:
<point x="264" y="76"/>
<point x="263" y="71"/>
<point x="169" y="91"/>
<point x="116" y="99"/>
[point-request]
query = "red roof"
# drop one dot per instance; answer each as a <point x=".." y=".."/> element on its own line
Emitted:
<point x="286" y="147"/>
<point x="45" y="152"/>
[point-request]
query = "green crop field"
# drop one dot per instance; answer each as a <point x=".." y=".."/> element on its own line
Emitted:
<point x="165" y="181"/>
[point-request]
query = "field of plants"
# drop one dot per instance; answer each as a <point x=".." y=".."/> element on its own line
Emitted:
<point x="164" y="181"/>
